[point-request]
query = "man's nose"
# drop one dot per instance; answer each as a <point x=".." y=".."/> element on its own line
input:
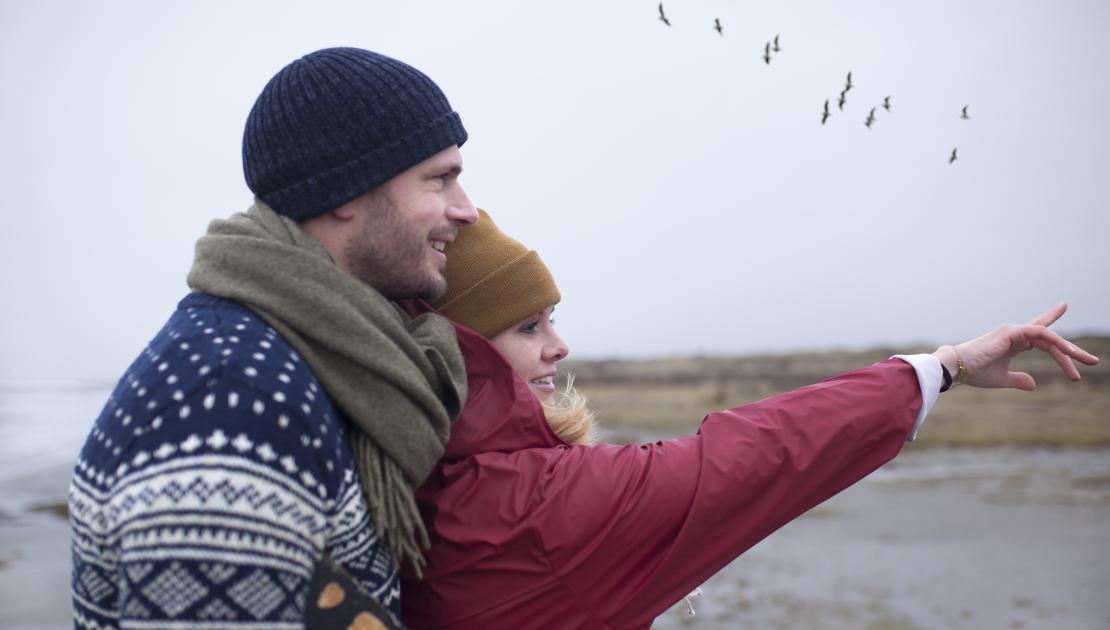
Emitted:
<point x="461" y="210"/>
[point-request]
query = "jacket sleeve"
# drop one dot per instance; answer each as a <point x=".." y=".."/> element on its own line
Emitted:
<point x="630" y="530"/>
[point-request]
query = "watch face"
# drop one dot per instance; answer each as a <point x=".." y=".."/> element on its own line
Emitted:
<point x="336" y="601"/>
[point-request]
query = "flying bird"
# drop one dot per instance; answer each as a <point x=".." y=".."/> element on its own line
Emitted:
<point x="825" y="114"/>
<point x="767" y="53"/>
<point x="663" y="16"/>
<point x="952" y="158"/>
<point x="870" y="118"/>
<point x="843" y="99"/>
<point x="848" y="85"/>
<point x="775" y="44"/>
<point x="886" y="103"/>
<point x="717" y="26"/>
<point x="963" y="113"/>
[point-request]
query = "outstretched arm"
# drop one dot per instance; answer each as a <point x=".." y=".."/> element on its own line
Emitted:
<point x="986" y="359"/>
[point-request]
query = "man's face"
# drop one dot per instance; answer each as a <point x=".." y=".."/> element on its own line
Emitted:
<point x="406" y="223"/>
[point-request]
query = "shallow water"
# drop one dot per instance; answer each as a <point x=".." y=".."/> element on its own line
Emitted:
<point x="984" y="538"/>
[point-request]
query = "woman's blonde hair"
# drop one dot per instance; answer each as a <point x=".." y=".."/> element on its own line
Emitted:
<point x="570" y="416"/>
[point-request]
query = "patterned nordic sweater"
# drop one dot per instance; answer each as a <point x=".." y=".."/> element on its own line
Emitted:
<point x="217" y="474"/>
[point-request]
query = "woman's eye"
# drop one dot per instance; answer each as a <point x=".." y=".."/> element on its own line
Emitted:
<point x="529" y="328"/>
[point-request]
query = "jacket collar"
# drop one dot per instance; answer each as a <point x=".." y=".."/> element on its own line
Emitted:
<point x="501" y="413"/>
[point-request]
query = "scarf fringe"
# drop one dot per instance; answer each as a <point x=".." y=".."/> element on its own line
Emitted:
<point x="395" y="514"/>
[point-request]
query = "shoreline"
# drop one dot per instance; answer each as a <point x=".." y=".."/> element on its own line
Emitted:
<point x="1009" y="537"/>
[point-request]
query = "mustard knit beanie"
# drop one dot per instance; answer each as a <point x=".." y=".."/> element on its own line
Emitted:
<point x="493" y="281"/>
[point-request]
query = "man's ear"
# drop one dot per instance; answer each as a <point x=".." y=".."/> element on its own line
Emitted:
<point x="335" y="227"/>
<point x="345" y="212"/>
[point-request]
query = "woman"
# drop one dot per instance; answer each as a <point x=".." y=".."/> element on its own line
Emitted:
<point x="529" y="530"/>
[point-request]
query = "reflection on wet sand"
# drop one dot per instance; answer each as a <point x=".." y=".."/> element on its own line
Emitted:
<point x="982" y="538"/>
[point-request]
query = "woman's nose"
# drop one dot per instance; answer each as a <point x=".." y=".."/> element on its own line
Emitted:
<point x="557" y="350"/>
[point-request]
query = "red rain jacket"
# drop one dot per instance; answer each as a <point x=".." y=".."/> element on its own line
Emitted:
<point x="528" y="532"/>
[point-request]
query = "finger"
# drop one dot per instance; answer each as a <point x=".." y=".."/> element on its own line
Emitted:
<point x="1078" y="353"/>
<point x="1065" y="362"/>
<point x="1020" y="380"/>
<point x="1050" y="316"/>
<point x="1049" y="342"/>
<point x="1048" y="339"/>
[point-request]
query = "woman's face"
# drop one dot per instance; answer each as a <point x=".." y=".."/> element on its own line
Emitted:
<point x="532" y="348"/>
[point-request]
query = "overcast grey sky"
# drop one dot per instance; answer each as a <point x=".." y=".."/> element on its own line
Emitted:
<point x="684" y="193"/>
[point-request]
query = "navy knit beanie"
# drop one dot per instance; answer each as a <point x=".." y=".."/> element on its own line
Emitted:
<point x="337" y="123"/>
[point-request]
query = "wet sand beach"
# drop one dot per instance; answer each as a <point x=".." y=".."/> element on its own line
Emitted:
<point x="42" y="428"/>
<point x="1008" y="538"/>
<point x="937" y="539"/>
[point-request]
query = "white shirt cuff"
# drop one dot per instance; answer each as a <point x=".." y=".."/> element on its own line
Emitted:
<point x="929" y="378"/>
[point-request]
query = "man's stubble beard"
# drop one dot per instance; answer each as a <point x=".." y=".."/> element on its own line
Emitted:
<point x="391" y="257"/>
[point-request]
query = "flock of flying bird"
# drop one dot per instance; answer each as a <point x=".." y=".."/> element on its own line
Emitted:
<point x="773" y="46"/>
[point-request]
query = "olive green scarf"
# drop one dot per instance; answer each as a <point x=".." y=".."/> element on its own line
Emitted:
<point x="401" y="381"/>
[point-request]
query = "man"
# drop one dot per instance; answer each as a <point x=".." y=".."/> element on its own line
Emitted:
<point x="285" y="412"/>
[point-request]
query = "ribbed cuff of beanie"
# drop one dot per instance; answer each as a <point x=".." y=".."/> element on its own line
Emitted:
<point x="329" y="189"/>
<point x="517" y="290"/>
